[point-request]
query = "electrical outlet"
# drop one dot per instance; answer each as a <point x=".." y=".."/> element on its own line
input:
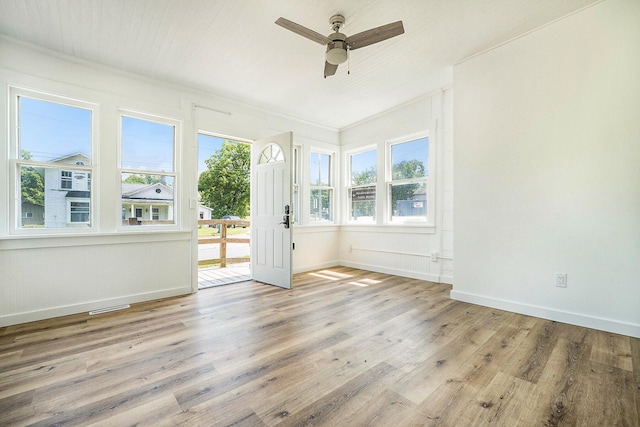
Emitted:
<point x="434" y="256"/>
<point x="561" y="280"/>
<point x="350" y="248"/>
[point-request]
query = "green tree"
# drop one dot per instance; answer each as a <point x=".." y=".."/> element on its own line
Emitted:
<point x="364" y="207"/>
<point x="31" y="182"/>
<point x="405" y="170"/>
<point x="225" y="185"/>
<point x="367" y="176"/>
<point x="142" y="179"/>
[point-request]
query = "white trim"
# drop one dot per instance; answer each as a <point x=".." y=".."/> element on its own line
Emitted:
<point x="393" y="271"/>
<point x="387" y="215"/>
<point x="14" y="92"/>
<point x="175" y="173"/>
<point x="563" y="316"/>
<point x="332" y="188"/>
<point x="348" y="187"/>
<point x="66" y="310"/>
<point x="145" y="235"/>
<point x="220" y="135"/>
<point x="307" y="268"/>
<point x="407" y="228"/>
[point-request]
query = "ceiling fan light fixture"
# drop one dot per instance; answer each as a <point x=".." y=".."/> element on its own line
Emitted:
<point x="336" y="53"/>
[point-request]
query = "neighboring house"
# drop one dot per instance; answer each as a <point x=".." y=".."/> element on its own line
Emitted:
<point x="32" y="214"/>
<point x="147" y="204"/>
<point x="67" y="198"/>
<point x="67" y="193"/>
<point x="204" y="212"/>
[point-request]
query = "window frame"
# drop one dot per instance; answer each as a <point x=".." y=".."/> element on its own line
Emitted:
<point x="296" y="186"/>
<point x="428" y="180"/>
<point x="350" y="186"/>
<point x="16" y="163"/>
<point x="175" y="173"/>
<point x="331" y="187"/>
<point x="70" y="212"/>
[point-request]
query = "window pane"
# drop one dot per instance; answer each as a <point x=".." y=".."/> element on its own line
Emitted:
<point x="79" y="211"/>
<point x="272" y="153"/>
<point x="409" y="201"/>
<point x="410" y="159"/>
<point x="147" y="199"/>
<point x="51" y="132"/>
<point x="147" y="145"/>
<point x="47" y="201"/>
<point x="296" y="203"/>
<point x="363" y="168"/>
<point x="320" y="167"/>
<point x="207" y="146"/>
<point x="321" y="205"/>
<point x="363" y="203"/>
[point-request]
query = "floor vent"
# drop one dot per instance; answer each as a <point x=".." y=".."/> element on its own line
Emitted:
<point x="108" y="309"/>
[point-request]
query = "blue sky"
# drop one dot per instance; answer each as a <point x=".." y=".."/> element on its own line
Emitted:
<point x="49" y="131"/>
<point x="412" y="150"/>
<point x="207" y="145"/>
<point x="147" y="145"/>
<point x="363" y="161"/>
<point x="417" y="149"/>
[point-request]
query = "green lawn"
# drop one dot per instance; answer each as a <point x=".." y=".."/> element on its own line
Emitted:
<point x="213" y="231"/>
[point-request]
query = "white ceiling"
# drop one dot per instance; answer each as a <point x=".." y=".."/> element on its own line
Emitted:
<point x="232" y="48"/>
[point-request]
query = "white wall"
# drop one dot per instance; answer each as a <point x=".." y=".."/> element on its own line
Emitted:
<point x="405" y="250"/>
<point x="547" y="171"/>
<point x="48" y="276"/>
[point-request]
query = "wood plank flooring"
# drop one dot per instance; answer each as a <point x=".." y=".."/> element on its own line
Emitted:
<point x="345" y="347"/>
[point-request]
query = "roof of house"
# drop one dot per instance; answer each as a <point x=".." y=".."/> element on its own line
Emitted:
<point x="157" y="191"/>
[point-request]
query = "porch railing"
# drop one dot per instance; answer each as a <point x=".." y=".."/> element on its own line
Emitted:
<point x="222" y="225"/>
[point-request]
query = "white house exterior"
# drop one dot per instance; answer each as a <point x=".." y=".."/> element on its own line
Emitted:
<point x="67" y="193"/>
<point x="147" y="204"/>
<point x="204" y="212"/>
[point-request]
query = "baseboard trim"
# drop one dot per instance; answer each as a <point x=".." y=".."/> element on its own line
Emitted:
<point x="327" y="264"/>
<point x="599" y="323"/>
<point x="48" y="313"/>
<point x="394" y="271"/>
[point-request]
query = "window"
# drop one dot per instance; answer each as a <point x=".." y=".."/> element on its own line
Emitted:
<point x="272" y="153"/>
<point x="321" y="187"/>
<point x="147" y="170"/>
<point x="407" y="180"/>
<point x="295" y="197"/>
<point x="78" y="212"/>
<point x="51" y="148"/>
<point x="362" y="186"/>
<point x="65" y="179"/>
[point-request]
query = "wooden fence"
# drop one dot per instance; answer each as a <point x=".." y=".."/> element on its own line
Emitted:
<point x="222" y="225"/>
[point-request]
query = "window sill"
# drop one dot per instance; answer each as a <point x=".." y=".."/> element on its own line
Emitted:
<point x="423" y="228"/>
<point x="33" y="241"/>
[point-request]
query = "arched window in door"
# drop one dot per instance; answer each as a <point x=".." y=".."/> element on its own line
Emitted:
<point x="272" y="153"/>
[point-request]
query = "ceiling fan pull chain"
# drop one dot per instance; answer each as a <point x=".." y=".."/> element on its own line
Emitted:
<point x="348" y="61"/>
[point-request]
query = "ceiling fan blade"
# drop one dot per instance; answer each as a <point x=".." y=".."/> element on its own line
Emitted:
<point x="329" y="69"/>
<point x="375" y="35"/>
<point x="303" y="31"/>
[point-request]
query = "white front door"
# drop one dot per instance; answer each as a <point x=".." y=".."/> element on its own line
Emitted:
<point x="270" y="210"/>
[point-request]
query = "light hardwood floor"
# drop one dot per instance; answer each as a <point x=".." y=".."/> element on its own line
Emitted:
<point x="345" y="347"/>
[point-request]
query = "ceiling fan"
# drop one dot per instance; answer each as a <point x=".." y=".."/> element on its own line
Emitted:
<point x="338" y="43"/>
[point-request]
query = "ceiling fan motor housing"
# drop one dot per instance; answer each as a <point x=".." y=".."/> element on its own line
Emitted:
<point x="337" y="49"/>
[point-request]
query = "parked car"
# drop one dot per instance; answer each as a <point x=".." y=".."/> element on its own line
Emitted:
<point x="234" y="218"/>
